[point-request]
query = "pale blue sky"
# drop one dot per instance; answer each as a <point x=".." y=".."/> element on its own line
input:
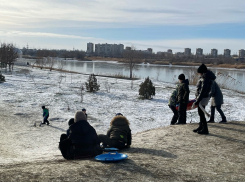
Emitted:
<point x="159" y="24"/>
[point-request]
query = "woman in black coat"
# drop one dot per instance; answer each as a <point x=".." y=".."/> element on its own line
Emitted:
<point x="82" y="141"/>
<point x="204" y="86"/>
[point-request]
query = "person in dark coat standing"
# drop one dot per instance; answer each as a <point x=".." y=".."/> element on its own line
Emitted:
<point x="82" y="141"/>
<point x="182" y="98"/>
<point x="172" y="105"/>
<point x="119" y="134"/>
<point x="204" y="86"/>
<point x="216" y="102"/>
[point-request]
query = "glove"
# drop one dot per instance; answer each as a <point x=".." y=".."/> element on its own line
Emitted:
<point x="196" y="103"/>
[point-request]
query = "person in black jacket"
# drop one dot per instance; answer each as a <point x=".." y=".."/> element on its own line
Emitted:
<point x="182" y="98"/>
<point x="82" y="140"/>
<point x="119" y="134"/>
<point x="204" y="86"/>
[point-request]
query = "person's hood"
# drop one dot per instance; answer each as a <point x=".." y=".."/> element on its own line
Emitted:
<point x="119" y="121"/>
<point x="209" y="75"/>
<point x="186" y="81"/>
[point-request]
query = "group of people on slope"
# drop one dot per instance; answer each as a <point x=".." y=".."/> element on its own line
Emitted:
<point x="82" y="141"/>
<point x="206" y="88"/>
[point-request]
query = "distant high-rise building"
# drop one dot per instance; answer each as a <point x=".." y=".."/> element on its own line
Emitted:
<point x="241" y="53"/>
<point x="114" y="50"/>
<point x="170" y="51"/>
<point x="227" y="53"/>
<point x="90" y="48"/>
<point x="149" y="50"/>
<point x="128" y="48"/>
<point x="199" y="52"/>
<point x="214" y="52"/>
<point x="187" y="52"/>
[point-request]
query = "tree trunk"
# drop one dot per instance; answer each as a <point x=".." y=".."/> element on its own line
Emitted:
<point x="131" y="72"/>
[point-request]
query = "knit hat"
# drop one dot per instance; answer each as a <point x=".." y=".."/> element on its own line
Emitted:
<point x="181" y="77"/>
<point x="71" y="121"/>
<point x="119" y="114"/>
<point x="202" y="69"/>
<point x="83" y="109"/>
<point x="79" y="116"/>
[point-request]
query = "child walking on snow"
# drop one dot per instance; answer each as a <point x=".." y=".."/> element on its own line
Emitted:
<point x="45" y="115"/>
<point x="172" y="105"/>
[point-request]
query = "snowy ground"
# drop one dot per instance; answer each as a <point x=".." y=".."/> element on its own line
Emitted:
<point x="27" y="89"/>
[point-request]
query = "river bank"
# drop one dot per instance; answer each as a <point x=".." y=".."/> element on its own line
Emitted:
<point x="160" y="62"/>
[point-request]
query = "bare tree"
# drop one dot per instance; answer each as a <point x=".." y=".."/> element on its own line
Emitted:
<point x="51" y="62"/>
<point x="8" y="54"/>
<point x="132" y="57"/>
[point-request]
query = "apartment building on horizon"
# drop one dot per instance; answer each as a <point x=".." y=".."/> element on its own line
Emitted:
<point x="241" y="53"/>
<point x="109" y="50"/>
<point x="187" y="52"/>
<point x="227" y="53"/>
<point x="214" y="52"/>
<point x="199" y="52"/>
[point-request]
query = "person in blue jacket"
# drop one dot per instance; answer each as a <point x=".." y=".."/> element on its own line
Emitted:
<point x="45" y="115"/>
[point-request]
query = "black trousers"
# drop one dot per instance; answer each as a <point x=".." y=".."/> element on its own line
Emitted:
<point x="64" y="146"/>
<point x="182" y="113"/>
<point x="175" y="116"/>
<point x="203" y="122"/>
<point x="218" y="108"/>
<point x="45" y="119"/>
<point x="108" y="142"/>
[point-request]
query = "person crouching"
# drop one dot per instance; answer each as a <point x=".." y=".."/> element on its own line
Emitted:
<point x="119" y="134"/>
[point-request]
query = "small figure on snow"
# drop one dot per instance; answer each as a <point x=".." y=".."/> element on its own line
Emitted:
<point x="182" y="98"/>
<point x="216" y="102"/>
<point x="45" y="115"/>
<point x="84" y="111"/>
<point x="119" y="134"/>
<point x="172" y="105"/>
<point x="204" y="86"/>
<point x="70" y="122"/>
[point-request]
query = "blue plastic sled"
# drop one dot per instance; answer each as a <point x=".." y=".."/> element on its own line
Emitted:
<point x="111" y="157"/>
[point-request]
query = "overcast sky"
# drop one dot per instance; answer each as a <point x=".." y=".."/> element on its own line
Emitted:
<point x="159" y="24"/>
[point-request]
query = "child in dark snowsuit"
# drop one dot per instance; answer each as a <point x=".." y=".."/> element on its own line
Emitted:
<point x="70" y="122"/>
<point x="119" y="134"/>
<point x="45" y="115"/>
<point x="183" y="98"/>
<point x="172" y="105"/>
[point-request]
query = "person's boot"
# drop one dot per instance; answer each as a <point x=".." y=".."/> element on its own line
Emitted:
<point x="210" y="121"/>
<point x="223" y="120"/>
<point x="204" y="131"/>
<point x="199" y="128"/>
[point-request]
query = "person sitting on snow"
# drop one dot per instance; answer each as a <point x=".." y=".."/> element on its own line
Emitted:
<point x="82" y="141"/>
<point x="119" y="134"/>
<point x="45" y="115"/>
<point x="172" y="105"/>
<point x="70" y="122"/>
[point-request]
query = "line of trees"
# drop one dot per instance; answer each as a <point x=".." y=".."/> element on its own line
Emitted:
<point x="8" y="55"/>
<point x="77" y="54"/>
